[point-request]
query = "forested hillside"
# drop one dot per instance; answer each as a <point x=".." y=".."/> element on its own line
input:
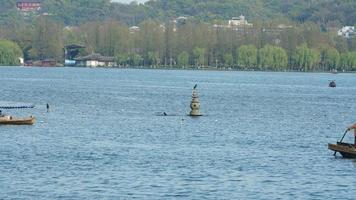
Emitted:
<point x="319" y="11"/>
<point x="324" y="12"/>
<point x="73" y="12"/>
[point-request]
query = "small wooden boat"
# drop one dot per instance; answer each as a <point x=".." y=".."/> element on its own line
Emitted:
<point x="345" y="149"/>
<point x="9" y="120"/>
<point x="332" y="84"/>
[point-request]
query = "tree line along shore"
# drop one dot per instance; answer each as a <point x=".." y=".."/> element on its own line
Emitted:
<point x="302" y="48"/>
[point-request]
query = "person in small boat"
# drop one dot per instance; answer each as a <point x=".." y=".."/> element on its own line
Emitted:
<point x="332" y="84"/>
<point x="353" y="127"/>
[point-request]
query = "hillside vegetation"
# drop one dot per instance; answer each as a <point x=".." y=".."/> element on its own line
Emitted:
<point x="73" y="12"/>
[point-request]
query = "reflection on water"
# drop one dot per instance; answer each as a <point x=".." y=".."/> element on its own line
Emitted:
<point x="264" y="135"/>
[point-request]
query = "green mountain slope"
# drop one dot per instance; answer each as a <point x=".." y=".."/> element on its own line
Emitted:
<point x="319" y="11"/>
<point x="73" y="12"/>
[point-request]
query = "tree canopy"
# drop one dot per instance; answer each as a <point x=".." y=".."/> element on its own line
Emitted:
<point x="325" y="13"/>
<point x="10" y="53"/>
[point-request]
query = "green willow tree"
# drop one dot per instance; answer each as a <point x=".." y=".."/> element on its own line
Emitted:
<point x="352" y="60"/>
<point x="199" y="56"/>
<point x="330" y="58"/>
<point x="153" y="58"/>
<point x="123" y="59"/>
<point x="273" y="58"/>
<point x="183" y="59"/>
<point x="347" y="61"/>
<point x="247" y="57"/>
<point x="306" y="59"/>
<point x="10" y="53"/>
<point x="135" y="59"/>
<point x="228" y="60"/>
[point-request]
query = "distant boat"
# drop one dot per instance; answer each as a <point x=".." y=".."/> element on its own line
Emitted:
<point x="334" y="71"/>
<point x="9" y="120"/>
<point x="332" y="84"/>
<point x="345" y="149"/>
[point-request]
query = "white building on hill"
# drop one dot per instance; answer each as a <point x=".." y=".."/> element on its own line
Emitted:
<point x="239" y="21"/>
<point x="347" y="31"/>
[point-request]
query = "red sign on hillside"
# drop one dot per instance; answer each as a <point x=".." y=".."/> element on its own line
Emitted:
<point x="28" y="5"/>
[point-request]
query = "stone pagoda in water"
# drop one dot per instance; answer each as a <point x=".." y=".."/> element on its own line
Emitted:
<point x="195" y="104"/>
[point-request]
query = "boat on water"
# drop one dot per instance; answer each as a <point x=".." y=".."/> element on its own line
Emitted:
<point x="6" y="119"/>
<point x="332" y="84"/>
<point x="345" y="149"/>
<point x="9" y="120"/>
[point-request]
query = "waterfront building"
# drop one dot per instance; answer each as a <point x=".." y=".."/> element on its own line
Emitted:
<point x="95" y="60"/>
<point x="71" y="52"/>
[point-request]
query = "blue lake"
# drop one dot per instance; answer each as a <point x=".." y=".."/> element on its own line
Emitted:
<point x="264" y="135"/>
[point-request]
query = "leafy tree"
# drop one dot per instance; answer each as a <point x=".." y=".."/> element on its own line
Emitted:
<point x="348" y="61"/>
<point x="10" y="53"/>
<point x="199" y="55"/>
<point x="247" y="56"/>
<point x="123" y="59"/>
<point x="352" y="60"/>
<point x="151" y="39"/>
<point x="47" y="41"/>
<point x="330" y="58"/>
<point x="280" y="58"/>
<point x="183" y="59"/>
<point x="228" y="60"/>
<point x="273" y="58"/>
<point x="305" y="58"/>
<point x="136" y="59"/>
<point x="153" y="58"/>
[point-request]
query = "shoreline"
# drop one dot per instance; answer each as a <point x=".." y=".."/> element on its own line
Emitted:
<point x="188" y="69"/>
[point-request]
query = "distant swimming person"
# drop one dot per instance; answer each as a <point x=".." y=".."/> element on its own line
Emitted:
<point x="47" y="106"/>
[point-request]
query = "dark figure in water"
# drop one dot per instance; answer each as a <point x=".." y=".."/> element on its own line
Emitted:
<point x="353" y="127"/>
<point x="164" y="113"/>
<point x="47" y="107"/>
<point x="332" y="84"/>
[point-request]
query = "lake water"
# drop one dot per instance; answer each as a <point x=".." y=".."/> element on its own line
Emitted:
<point x="264" y="135"/>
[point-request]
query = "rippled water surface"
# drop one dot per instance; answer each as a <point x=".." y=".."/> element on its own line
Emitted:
<point x="263" y="136"/>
